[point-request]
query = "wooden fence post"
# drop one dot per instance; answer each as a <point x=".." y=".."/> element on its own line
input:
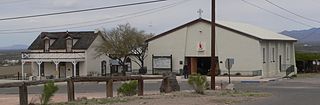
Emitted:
<point x="140" y="87"/>
<point x="23" y="94"/>
<point x="110" y="88"/>
<point x="70" y="90"/>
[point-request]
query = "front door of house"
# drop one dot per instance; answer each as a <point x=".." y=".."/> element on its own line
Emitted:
<point x="62" y="70"/>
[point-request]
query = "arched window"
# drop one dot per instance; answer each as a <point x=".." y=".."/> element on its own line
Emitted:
<point x="103" y="68"/>
<point x="128" y="65"/>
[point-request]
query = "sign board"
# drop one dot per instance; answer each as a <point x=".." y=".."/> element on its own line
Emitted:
<point x="161" y="63"/>
<point x="229" y="62"/>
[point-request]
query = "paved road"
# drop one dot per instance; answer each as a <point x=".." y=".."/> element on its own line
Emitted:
<point x="286" y="92"/>
<point x="92" y="87"/>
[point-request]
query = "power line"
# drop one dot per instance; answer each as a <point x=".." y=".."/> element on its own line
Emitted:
<point x="266" y="10"/>
<point x="298" y="15"/>
<point x="13" y="1"/>
<point x="117" y="18"/>
<point x="306" y="18"/>
<point x="81" y="10"/>
<point x="99" y="20"/>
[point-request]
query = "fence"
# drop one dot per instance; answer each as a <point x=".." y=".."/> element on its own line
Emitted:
<point x="23" y="91"/>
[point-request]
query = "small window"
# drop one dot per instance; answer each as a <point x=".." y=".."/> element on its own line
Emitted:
<point x="273" y="54"/>
<point x="288" y="53"/>
<point x="128" y="65"/>
<point x="46" y="45"/>
<point x="264" y="55"/>
<point x="69" y="45"/>
<point x="103" y="68"/>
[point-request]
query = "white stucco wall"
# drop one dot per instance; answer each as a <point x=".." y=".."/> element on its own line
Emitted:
<point x="93" y="61"/>
<point x="174" y="44"/>
<point x="285" y="49"/>
<point x="243" y="49"/>
<point x="246" y="50"/>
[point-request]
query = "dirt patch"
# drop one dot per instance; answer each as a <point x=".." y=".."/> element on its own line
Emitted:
<point x="177" y="98"/>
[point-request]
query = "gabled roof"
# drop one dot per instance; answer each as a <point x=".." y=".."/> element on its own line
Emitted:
<point x="85" y="38"/>
<point x="241" y="28"/>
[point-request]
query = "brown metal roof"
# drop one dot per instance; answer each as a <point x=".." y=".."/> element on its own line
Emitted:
<point x="85" y="38"/>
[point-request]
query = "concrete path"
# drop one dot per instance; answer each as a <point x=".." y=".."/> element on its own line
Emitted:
<point x="286" y="92"/>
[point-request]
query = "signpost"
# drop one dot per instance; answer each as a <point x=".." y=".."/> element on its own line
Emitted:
<point x="228" y="64"/>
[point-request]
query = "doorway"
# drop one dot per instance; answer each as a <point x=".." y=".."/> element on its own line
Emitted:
<point x="203" y="65"/>
<point x="62" y="70"/>
<point x="199" y="65"/>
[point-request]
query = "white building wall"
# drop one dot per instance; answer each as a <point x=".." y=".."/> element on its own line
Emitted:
<point x="246" y="50"/>
<point x="243" y="49"/>
<point x="284" y="50"/>
<point x="174" y="44"/>
<point x="49" y="69"/>
<point x="93" y="61"/>
<point x="198" y="33"/>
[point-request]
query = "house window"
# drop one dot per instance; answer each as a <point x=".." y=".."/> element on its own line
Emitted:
<point x="273" y="55"/>
<point x="46" y="45"/>
<point x="128" y="65"/>
<point x="69" y="44"/>
<point x="42" y="69"/>
<point x="103" y="68"/>
<point x="288" y="54"/>
<point x="264" y="55"/>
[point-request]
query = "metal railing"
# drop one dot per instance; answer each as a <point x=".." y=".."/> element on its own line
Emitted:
<point x="48" y="55"/>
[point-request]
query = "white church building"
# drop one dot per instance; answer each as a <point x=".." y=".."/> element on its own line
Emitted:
<point x="256" y="51"/>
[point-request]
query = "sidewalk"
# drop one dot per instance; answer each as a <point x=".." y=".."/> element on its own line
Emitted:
<point x="219" y="79"/>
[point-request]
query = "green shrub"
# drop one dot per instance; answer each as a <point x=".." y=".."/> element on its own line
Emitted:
<point x="48" y="91"/>
<point x="128" y="88"/>
<point x="199" y="83"/>
<point x="238" y="74"/>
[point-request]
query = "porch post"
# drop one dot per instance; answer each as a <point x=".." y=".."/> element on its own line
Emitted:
<point x="74" y="68"/>
<point x="39" y="68"/>
<point x="57" y="68"/>
<point x="22" y="69"/>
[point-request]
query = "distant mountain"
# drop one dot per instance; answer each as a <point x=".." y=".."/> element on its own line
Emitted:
<point x="308" y="40"/>
<point x="14" y="47"/>
<point x="304" y="36"/>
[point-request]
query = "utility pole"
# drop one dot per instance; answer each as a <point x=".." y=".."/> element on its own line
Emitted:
<point x="213" y="45"/>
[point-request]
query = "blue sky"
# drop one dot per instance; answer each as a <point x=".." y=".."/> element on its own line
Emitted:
<point x="157" y="22"/>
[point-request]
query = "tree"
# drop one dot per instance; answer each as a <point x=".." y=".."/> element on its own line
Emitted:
<point x="140" y="52"/>
<point x="47" y="93"/>
<point x="122" y="42"/>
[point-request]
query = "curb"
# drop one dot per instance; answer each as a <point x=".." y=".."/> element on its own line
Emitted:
<point x="262" y="81"/>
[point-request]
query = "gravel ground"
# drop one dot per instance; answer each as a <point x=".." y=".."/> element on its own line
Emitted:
<point x="176" y="98"/>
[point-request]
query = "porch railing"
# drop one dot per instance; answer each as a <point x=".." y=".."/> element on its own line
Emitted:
<point x="52" y="55"/>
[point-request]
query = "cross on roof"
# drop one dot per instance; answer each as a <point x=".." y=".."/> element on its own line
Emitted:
<point x="200" y="11"/>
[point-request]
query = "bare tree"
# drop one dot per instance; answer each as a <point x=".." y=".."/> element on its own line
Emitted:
<point x="140" y="52"/>
<point x="122" y="42"/>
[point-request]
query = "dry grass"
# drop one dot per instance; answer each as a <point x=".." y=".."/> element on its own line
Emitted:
<point x="13" y="70"/>
<point x="177" y="98"/>
<point x="308" y="75"/>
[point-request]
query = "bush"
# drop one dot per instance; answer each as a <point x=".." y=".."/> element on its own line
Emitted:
<point x="238" y="74"/>
<point x="128" y="88"/>
<point x="225" y="74"/>
<point x="48" y="91"/>
<point x="199" y="83"/>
